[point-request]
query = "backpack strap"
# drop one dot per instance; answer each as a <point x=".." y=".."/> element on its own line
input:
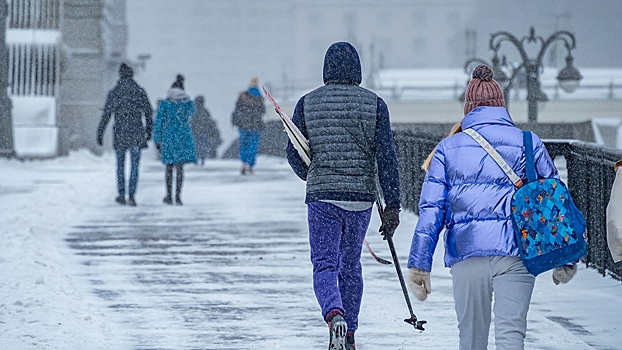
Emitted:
<point x="530" y="164"/>
<point x="495" y="156"/>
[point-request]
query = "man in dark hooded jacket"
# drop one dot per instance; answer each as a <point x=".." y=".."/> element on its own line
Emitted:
<point x="352" y="150"/>
<point x="129" y="104"/>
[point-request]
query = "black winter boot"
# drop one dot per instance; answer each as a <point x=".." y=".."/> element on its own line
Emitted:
<point x="120" y="200"/>
<point x="168" y="200"/>
<point x="350" y="342"/>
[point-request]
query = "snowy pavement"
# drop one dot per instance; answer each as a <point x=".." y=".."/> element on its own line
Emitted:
<point x="227" y="270"/>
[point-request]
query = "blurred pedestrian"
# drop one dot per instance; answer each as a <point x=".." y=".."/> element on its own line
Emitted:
<point x="205" y="132"/>
<point x="129" y="104"/>
<point x="247" y="117"/>
<point x="467" y="195"/>
<point x="351" y="142"/>
<point x="173" y="135"/>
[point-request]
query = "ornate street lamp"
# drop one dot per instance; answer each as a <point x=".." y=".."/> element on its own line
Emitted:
<point x="568" y="78"/>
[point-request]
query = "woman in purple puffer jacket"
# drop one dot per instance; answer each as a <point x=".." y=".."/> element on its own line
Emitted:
<point x="466" y="193"/>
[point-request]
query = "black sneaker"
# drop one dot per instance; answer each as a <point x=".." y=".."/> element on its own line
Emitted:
<point x="337" y="328"/>
<point x="120" y="200"/>
<point x="350" y="342"/>
<point x="178" y="201"/>
<point x="168" y="200"/>
<point x="131" y="201"/>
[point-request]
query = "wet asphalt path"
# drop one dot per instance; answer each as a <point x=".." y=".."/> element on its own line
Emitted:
<point x="213" y="273"/>
<point x="230" y="269"/>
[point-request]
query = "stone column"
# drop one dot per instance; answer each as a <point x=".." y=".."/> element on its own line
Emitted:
<point x="82" y="93"/>
<point x="7" y="147"/>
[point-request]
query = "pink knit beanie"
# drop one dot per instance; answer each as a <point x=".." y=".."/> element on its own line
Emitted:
<point x="482" y="90"/>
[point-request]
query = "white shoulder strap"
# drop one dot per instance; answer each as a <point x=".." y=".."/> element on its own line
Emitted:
<point x="496" y="156"/>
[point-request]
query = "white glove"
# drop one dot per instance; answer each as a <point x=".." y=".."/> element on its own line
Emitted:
<point x="419" y="283"/>
<point x="563" y="274"/>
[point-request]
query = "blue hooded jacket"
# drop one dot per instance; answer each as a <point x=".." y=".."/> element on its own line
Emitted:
<point x="172" y="129"/>
<point x="342" y="66"/>
<point x="466" y="193"/>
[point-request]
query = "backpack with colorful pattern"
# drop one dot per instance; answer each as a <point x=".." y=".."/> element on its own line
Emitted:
<point x="550" y="230"/>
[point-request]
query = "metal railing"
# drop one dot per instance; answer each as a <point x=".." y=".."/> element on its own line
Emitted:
<point x="590" y="177"/>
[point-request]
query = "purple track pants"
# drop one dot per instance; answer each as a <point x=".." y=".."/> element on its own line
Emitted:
<point x="336" y="239"/>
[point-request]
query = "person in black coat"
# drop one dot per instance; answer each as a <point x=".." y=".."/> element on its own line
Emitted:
<point x="129" y="104"/>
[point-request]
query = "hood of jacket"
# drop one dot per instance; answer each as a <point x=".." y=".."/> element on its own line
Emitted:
<point x="253" y="91"/>
<point x="342" y="64"/>
<point x="485" y="115"/>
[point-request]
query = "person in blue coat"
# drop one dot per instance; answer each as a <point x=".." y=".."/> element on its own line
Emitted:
<point x="172" y="135"/>
<point x="247" y="117"/>
<point x="352" y="150"/>
<point x="467" y="194"/>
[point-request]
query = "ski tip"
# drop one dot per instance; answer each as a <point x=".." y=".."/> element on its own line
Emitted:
<point x="383" y="261"/>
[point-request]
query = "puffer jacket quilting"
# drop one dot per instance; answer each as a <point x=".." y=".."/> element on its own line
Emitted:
<point x="466" y="192"/>
<point x="342" y="138"/>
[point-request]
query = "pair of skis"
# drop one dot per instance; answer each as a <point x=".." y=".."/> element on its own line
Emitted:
<point x="301" y="144"/>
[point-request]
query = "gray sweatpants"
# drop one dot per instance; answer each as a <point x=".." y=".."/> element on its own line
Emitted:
<point x="475" y="281"/>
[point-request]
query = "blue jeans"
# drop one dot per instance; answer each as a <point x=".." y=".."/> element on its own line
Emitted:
<point x="135" y="160"/>
<point x="249" y="145"/>
<point x="336" y="239"/>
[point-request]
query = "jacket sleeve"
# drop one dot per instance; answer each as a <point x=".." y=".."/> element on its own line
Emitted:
<point x="386" y="157"/>
<point x="262" y="107"/>
<point x="108" y="111"/>
<point x="236" y="114"/>
<point x="148" y="113"/>
<point x="293" y="158"/>
<point x="432" y="209"/>
<point x="545" y="167"/>
<point x="192" y="109"/>
<point x="157" y="124"/>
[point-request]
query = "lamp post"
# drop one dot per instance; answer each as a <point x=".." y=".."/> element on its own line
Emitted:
<point x="568" y="78"/>
<point x="7" y="148"/>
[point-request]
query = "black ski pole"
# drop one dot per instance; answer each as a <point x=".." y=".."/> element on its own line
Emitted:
<point x="413" y="319"/>
<point x="389" y="237"/>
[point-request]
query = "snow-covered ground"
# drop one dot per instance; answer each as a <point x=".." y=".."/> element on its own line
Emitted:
<point x="49" y="279"/>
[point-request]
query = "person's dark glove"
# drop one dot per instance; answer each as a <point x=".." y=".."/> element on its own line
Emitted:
<point x="390" y="218"/>
<point x="158" y="147"/>
<point x="100" y="140"/>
